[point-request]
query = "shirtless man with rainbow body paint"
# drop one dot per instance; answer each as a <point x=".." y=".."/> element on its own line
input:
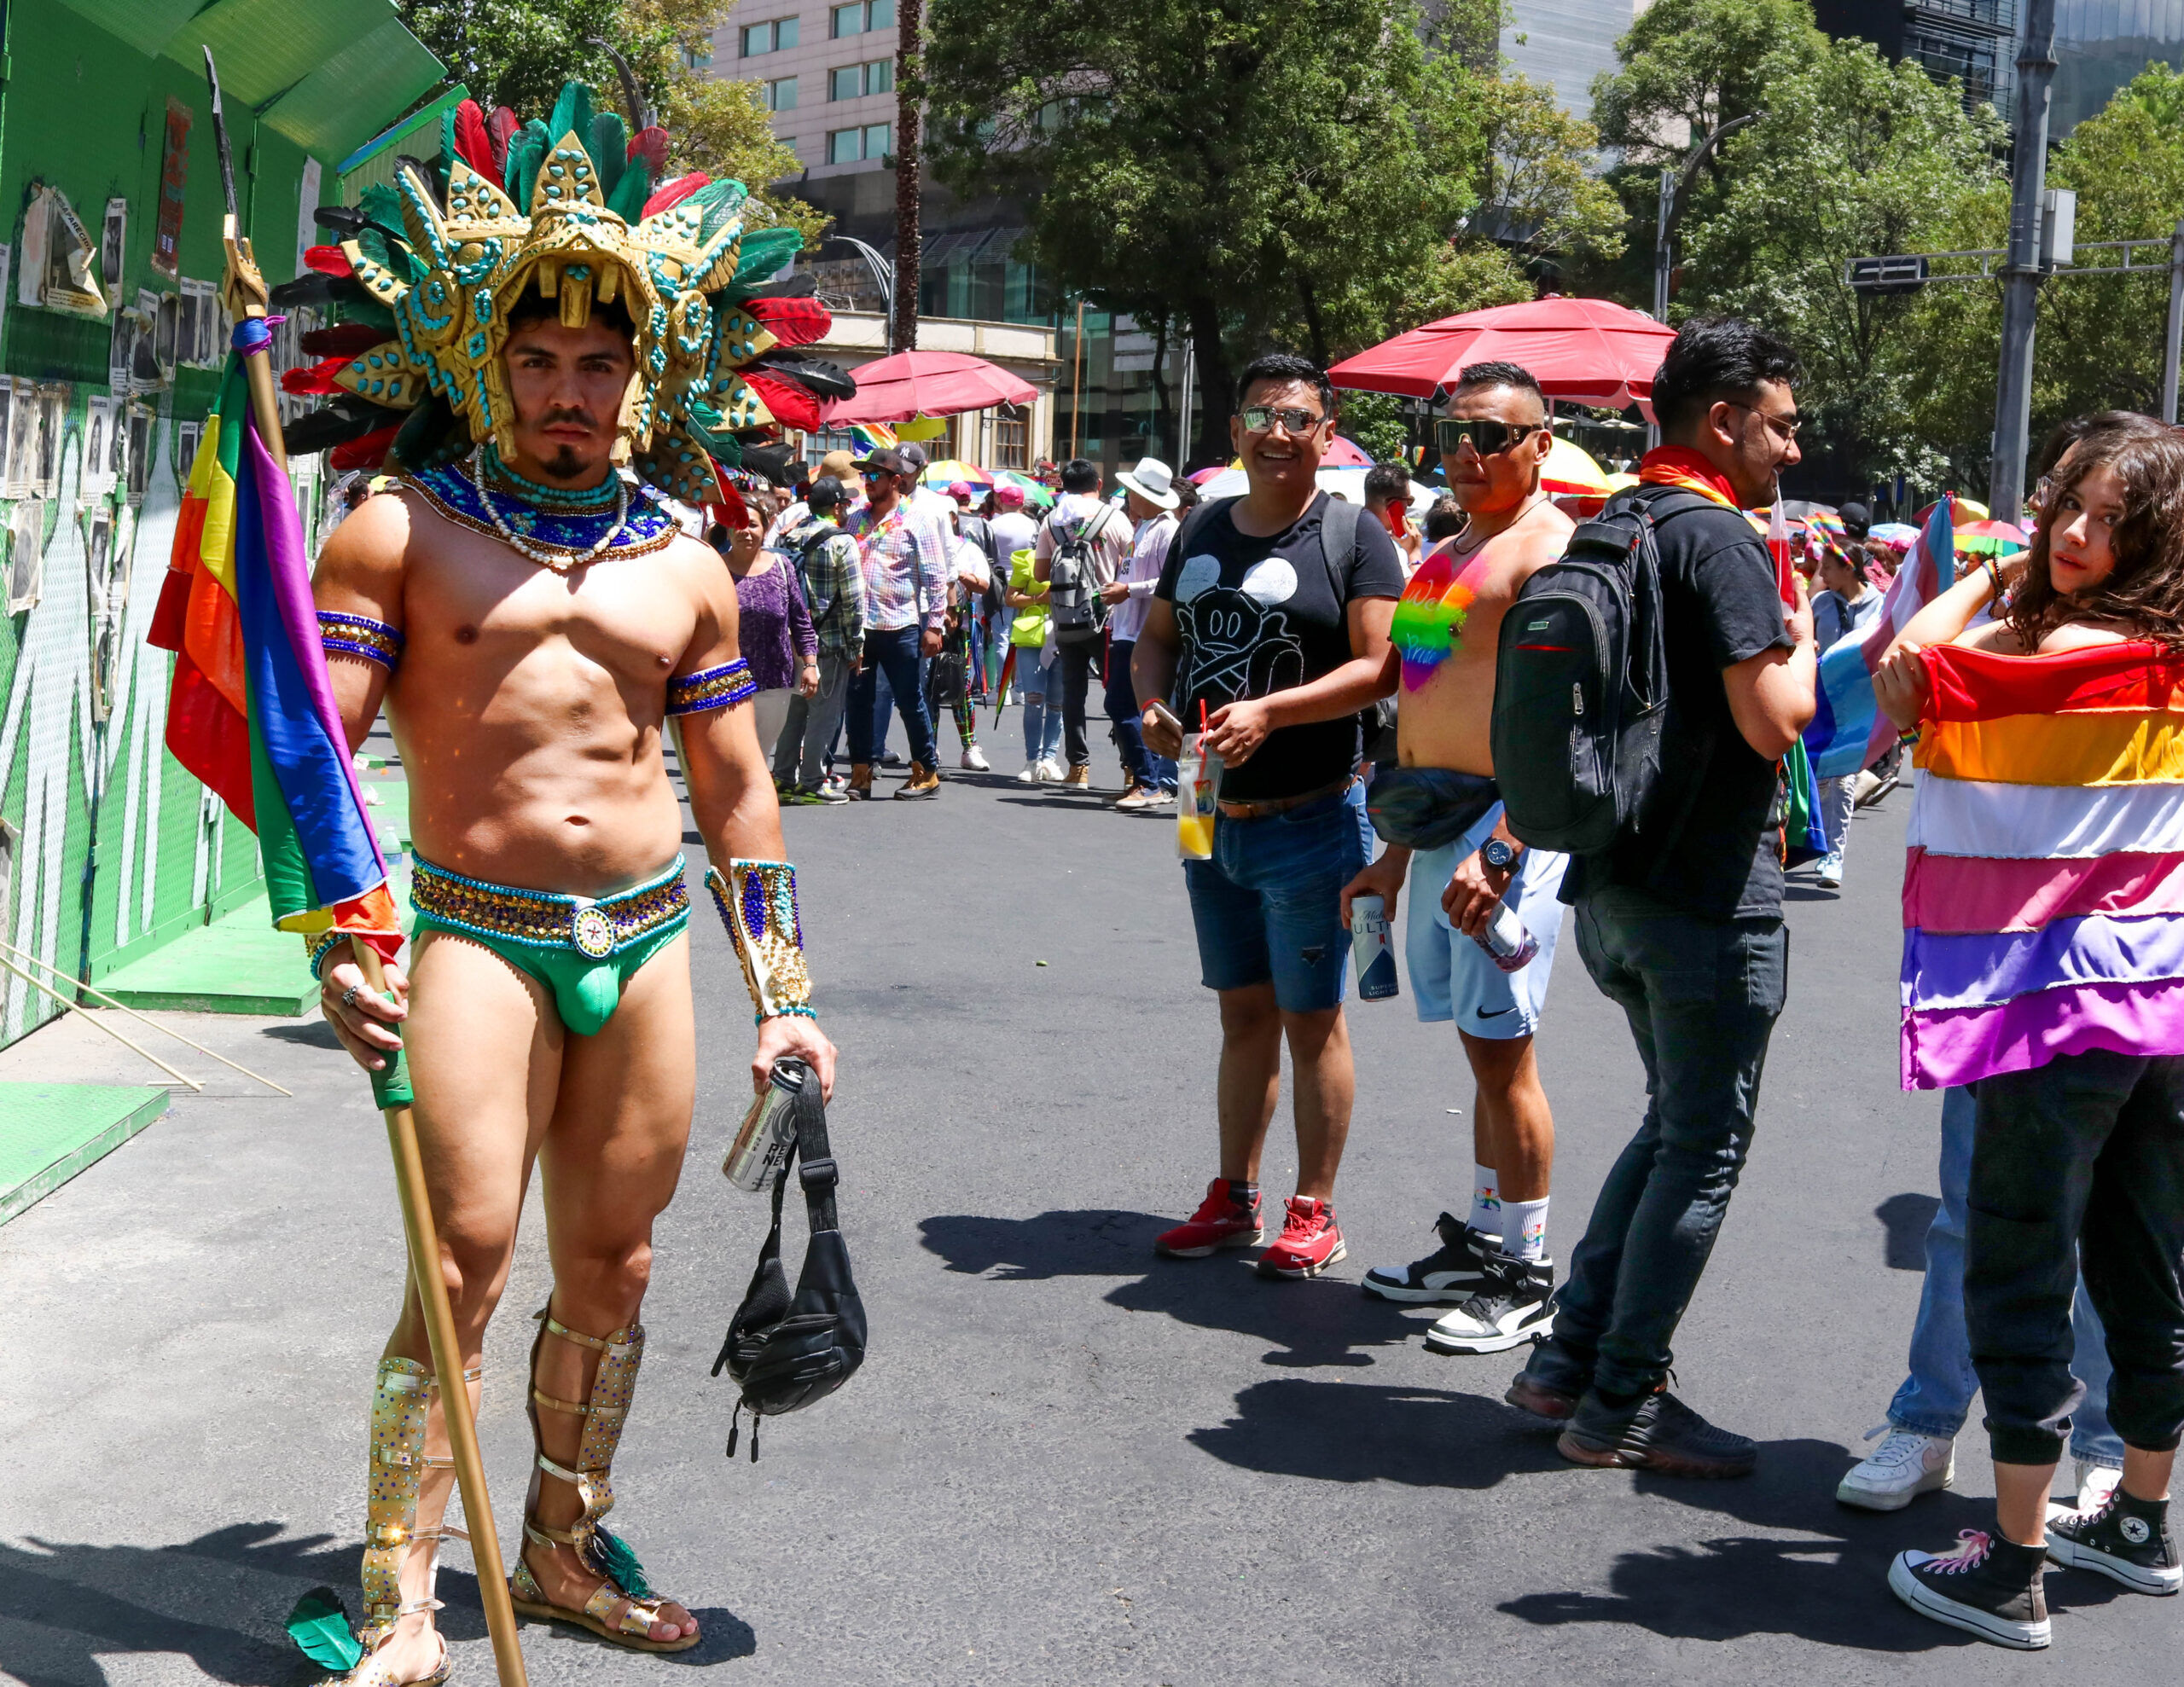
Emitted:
<point x="1491" y="1266"/>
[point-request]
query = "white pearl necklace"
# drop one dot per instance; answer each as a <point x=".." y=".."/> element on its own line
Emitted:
<point x="559" y="561"/>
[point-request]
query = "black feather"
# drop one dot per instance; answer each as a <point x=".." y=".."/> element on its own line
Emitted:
<point x="324" y="429"/>
<point x="769" y="461"/>
<point x="432" y="436"/>
<point x="815" y="375"/>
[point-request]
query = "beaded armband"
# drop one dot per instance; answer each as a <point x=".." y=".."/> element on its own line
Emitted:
<point x="757" y="904"/>
<point x="721" y="687"/>
<point x="319" y="947"/>
<point x="360" y="635"/>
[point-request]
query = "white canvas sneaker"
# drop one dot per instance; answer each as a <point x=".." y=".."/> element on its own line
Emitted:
<point x="975" y="760"/>
<point x="1897" y="1472"/>
<point x="2096" y="1482"/>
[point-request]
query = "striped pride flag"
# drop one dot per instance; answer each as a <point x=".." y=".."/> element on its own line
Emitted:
<point x="250" y="711"/>
<point x="2043" y="895"/>
<point x="1848" y="730"/>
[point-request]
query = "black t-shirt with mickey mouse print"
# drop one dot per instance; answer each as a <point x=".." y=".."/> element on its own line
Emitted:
<point x="1256" y="616"/>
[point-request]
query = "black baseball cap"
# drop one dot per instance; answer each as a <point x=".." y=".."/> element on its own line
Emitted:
<point x="887" y="461"/>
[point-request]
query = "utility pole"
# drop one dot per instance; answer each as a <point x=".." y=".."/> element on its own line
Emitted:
<point x="2173" y="339"/>
<point x="909" y="118"/>
<point x="2036" y="69"/>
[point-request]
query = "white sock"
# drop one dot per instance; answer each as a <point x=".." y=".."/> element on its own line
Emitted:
<point x="1486" y="1205"/>
<point x="1524" y="1228"/>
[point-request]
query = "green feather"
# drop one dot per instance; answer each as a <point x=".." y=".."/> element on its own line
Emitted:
<point x="611" y="1557"/>
<point x="527" y="154"/>
<point x="320" y="1627"/>
<point x="764" y="252"/>
<point x="721" y="200"/>
<point x="447" y="136"/>
<point x="627" y="201"/>
<point x="571" y="112"/>
<point x="608" y="143"/>
<point x="369" y="310"/>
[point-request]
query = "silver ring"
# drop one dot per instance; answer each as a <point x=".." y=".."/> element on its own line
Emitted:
<point x="349" y="996"/>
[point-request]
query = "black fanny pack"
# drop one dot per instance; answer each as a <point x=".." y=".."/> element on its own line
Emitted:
<point x="1424" y="808"/>
<point x="789" y="1350"/>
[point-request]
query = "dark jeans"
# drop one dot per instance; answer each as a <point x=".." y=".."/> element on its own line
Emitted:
<point x="1075" y="663"/>
<point x="1701" y="996"/>
<point x="1142" y="765"/>
<point x="895" y="653"/>
<point x="2087" y="1149"/>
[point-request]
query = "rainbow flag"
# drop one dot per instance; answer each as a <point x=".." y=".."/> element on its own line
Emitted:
<point x="1429" y="619"/>
<point x="1848" y="729"/>
<point x="872" y="437"/>
<point x="2043" y="893"/>
<point x="251" y="711"/>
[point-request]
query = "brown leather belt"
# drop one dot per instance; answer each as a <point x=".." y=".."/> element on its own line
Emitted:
<point x="1278" y="805"/>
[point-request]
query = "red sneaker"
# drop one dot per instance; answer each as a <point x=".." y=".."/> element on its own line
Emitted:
<point x="1222" y="1221"/>
<point x="1310" y="1242"/>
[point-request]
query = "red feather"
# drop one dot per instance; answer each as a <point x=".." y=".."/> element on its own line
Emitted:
<point x="674" y="192"/>
<point x="343" y="340"/>
<point x="792" y="407"/>
<point x="317" y="379"/>
<point x="651" y="144"/>
<point x="369" y="452"/>
<point x="327" y="260"/>
<point x="794" y="322"/>
<point x="473" y="142"/>
<point x="499" y="126"/>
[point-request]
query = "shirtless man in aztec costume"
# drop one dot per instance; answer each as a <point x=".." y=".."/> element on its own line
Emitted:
<point x="534" y="622"/>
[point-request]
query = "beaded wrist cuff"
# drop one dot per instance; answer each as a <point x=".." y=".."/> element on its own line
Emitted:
<point x="721" y="687"/>
<point x="319" y="947"/>
<point x="757" y="904"/>
<point x="359" y="635"/>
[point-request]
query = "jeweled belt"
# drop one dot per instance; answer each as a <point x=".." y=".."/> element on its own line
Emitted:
<point x="597" y="927"/>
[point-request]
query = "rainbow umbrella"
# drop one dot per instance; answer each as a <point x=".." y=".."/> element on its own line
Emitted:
<point x="1034" y="492"/>
<point x="1991" y="538"/>
<point x="950" y="470"/>
<point x="1570" y="473"/>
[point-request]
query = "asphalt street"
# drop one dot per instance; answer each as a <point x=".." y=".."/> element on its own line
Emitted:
<point x="1064" y="1461"/>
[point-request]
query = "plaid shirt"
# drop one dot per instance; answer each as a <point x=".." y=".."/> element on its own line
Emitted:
<point x="834" y="584"/>
<point x="905" y="567"/>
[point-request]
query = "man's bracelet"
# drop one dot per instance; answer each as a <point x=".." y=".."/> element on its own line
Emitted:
<point x="757" y="902"/>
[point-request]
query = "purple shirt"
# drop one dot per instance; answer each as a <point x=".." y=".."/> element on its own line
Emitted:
<point x="770" y="614"/>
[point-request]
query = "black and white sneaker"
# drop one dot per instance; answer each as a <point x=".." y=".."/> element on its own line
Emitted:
<point x="1449" y="1276"/>
<point x="2125" y="1540"/>
<point x="1514" y="1305"/>
<point x="1986" y="1586"/>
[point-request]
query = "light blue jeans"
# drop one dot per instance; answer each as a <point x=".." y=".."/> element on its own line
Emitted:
<point x="1042" y="689"/>
<point x="1937" y="1396"/>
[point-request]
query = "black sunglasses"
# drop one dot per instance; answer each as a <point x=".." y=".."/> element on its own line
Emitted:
<point x="1486" y="437"/>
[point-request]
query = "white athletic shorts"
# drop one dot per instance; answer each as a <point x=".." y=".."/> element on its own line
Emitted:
<point x="1452" y="977"/>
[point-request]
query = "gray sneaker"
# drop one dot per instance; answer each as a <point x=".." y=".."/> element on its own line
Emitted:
<point x="1655" y="1432"/>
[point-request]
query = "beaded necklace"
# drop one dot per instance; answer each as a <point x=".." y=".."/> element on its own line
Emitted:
<point x="556" y="529"/>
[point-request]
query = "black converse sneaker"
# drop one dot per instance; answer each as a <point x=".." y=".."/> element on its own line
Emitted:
<point x="2125" y="1540"/>
<point x="1986" y="1586"/>
<point x="1449" y="1276"/>
<point x="1514" y="1305"/>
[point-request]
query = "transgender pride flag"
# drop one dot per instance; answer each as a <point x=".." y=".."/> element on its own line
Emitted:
<point x="1848" y="730"/>
<point x="2043" y="895"/>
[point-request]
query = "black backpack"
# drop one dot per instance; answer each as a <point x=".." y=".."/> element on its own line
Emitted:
<point x="1581" y="686"/>
<point x="1076" y="612"/>
<point x="786" y="1350"/>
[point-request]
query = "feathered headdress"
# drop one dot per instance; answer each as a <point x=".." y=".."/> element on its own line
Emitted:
<point x="430" y="272"/>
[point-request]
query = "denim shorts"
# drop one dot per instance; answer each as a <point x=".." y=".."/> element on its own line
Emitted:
<point x="1269" y="905"/>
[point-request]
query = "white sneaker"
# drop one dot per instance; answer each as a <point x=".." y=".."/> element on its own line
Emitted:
<point x="1050" y="772"/>
<point x="2096" y="1482"/>
<point x="975" y="759"/>
<point x="1030" y="776"/>
<point x="1897" y="1472"/>
<point x="1829" y="871"/>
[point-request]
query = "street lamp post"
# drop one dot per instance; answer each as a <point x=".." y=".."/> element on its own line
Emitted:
<point x="883" y="272"/>
<point x="2036" y="69"/>
<point x="1675" y="190"/>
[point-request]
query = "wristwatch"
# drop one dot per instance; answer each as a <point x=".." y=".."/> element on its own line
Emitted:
<point x="1499" y="854"/>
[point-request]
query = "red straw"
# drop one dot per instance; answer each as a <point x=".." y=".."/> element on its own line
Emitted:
<point x="1201" y="714"/>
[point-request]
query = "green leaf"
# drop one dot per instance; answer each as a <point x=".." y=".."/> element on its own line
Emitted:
<point x="611" y="1557"/>
<point x="320" y="1627"/>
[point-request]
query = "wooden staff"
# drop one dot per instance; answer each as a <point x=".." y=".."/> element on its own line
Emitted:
<point x="244" y="288"/>
<point x="78" y="1007"/>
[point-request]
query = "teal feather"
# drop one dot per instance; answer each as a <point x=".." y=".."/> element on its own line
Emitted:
<point x="627" y="201"/>
<point x="371" y="311"/>
<point x="611" y="1557"/>
<point x="527" y="154"/>
<point x="764" y="252"/>
<point x="721" y="200"/>
<point x="571" y="112"/>
<point x="447" y="140"/>
<point x="608" y="143"/>
<point x="320" y="1627"/>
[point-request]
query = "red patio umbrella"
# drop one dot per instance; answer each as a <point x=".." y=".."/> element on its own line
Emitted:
<point x="926" y="384"/>
<point x="1585" y="350"/>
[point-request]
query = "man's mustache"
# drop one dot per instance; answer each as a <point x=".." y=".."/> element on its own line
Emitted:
<point x="580" y="418"/>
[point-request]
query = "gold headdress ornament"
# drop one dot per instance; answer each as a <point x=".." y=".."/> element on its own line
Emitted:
<point x="572" y="218"/>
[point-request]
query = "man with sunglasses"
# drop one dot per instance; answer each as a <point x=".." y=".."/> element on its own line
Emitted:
<point x="1493" y="1265"/>
<point x="1271" y="619"/>
<point x="1681" y="923"/>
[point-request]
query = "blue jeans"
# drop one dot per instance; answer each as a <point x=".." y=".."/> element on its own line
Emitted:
<point x="1042" y="689"/>
<point x="1269" y="905"/>
<point x="1702" y="996"/>
<point x="1155" y="772"/>
<point x="1936" y="1397"/>
<point x="895" y="653"/>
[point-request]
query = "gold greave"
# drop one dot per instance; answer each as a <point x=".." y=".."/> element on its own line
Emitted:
<point x="401" y="1402"/>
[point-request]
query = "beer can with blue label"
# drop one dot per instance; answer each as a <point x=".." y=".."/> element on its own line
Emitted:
<point x="1369" y="947"/>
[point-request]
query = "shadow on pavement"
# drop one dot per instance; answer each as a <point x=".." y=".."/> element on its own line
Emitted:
<point x="317" y="1034"/>
<point x="1907" y="1218"/>
<point x="1358" y="1432"/>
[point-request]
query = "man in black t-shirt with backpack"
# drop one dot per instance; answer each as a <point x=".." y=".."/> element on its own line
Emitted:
<point x="1271" y="619"/>
<point x="1680" y="922"/>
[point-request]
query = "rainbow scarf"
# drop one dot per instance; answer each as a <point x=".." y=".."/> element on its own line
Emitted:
<point x="1429" y="619"/>
<point x="250" y="711"/>
<point x="1681" y="466"/>
<point x="2043" y="893"/>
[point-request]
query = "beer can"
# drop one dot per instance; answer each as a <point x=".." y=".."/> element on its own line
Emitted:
<point x="1369" y="947"/>
<point x="760" y="1151"/>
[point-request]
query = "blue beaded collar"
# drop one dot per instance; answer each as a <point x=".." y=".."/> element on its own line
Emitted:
<point x="568" y="530"/>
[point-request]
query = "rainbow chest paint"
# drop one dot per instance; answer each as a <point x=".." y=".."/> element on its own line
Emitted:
<point x="1429" y="619"/>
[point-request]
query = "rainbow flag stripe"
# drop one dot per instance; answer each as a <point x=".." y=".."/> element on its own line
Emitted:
<point x="1429" y="619"/>
<point x="252" y="710"/>
<point x="2043" y="890"/>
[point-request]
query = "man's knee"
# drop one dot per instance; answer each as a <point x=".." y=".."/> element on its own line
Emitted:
<point x="601" y="1285"/>
<point x="1503" y="1066"/>
<point x="1315" y="1033"/>
<point x="1250" y="1015"/>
